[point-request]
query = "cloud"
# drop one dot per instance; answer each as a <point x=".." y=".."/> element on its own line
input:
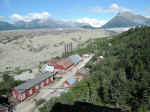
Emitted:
<point x="147" y="17"/>
<point x="92" y="21"/>
<point x="113" y="8"/>
<point x="30" y="16"/>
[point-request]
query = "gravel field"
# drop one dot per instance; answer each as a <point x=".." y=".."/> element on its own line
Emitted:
<point x="26" y="48"/>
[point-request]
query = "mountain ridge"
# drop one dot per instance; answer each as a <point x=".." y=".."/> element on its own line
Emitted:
<point x="41" y="24"/>
<point x="127" y="19"/>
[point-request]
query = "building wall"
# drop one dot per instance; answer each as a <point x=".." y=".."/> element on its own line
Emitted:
<point x="66" y="84"/>
<point x="32" y="90"/>
<point x="15" y="94"/>
<point x="3" y="110"/>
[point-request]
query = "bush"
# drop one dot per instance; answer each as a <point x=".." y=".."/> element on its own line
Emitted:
<point x="39" y="102"/>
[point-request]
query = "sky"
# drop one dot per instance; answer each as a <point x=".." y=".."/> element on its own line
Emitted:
<point x="94" y="12"/>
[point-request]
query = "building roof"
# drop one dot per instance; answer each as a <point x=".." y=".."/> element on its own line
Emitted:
<point x="71" y="80"/>
<point x="75" y="58"/>
<point x="53" y="61"/>
<point x="29" y="84"/>
<point x="67" y="62"/>
<point x="3" y="107"/>
<point x="87" y="55"/>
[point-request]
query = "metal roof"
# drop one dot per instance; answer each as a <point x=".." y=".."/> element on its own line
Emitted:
<point x="67" y="62"/>
<point x="71" y="80"/>
<point x="83" y="71"/>
<point x="3" y="107"/>
<point x="29" y="84"/>
<point x="75" y="58"/>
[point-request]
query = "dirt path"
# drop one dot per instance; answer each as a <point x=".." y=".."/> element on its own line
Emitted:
<point x="46" y="93"/>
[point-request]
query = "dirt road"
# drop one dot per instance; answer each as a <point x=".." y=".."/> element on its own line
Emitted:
<point x="46" y="93"/>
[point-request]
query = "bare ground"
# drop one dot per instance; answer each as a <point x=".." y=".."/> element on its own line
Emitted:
<point x="26" y="48"/>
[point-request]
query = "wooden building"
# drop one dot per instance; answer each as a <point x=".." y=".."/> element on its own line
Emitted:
<point x="27" y="89"/>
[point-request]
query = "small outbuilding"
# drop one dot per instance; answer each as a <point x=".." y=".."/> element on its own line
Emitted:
<point x="85" y="56"/>
<point x="81" y="74"/>
<point x="99" y="58"/>
<point x="68" y="83"/>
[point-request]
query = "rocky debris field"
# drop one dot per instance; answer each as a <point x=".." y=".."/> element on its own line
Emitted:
<point x="27" y="48"/>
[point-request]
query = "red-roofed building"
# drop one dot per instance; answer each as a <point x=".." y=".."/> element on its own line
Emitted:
<point x="53" y="61"/>
<point x="63" y="65"/>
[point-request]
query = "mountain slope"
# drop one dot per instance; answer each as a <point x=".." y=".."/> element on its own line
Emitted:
<point x="127" y="19"/>
<point x="120" y="80"/>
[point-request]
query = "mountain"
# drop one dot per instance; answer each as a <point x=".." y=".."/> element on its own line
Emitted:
<point x="39" y="24"/>
<point x="6" y="26"/>
<point x="127" y="19"/>
<point x="87" y="27"/>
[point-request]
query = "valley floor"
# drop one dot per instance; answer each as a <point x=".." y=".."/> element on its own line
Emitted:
<point x="26" y="49"/>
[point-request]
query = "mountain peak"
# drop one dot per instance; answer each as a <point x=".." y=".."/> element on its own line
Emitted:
<point x="127" y="19"/>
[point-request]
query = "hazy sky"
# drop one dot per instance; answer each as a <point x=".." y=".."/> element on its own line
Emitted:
<point x="98" y="11"/>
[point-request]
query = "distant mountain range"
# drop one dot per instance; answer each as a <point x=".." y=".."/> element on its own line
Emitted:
<point x="6" y="26"/>
<point x="123" y="19"/>
<point x="41" y="24"/>
<point x="127" y="19"/>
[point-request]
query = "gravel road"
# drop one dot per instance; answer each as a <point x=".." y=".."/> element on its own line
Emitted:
<point x="45" y="93"/>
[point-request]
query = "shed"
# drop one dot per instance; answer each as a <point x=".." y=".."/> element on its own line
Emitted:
<point x="30" y="87"/>
<point x="3" y="108"/>
<point x="75" y="58"/>
<point x="85" y="56"/>
<point x="69" y="82"/>
<point x="99" y="58"/>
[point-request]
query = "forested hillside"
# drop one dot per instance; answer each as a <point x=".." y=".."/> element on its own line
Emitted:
<point x="121" y="80"/>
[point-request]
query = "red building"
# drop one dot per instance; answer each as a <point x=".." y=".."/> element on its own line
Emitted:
<point x="63" y="65"/>
<point x="53" y="61"/>
<point x="68" y="83"/>
<point x="27" y="89"/>
<point x="3" y="108"/>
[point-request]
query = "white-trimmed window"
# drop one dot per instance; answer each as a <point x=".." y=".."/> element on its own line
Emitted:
<point x="51" y="78"/>
<point x="47" y="81"/>
<point x="22" y="97"/>
<point x="37" y="87"/>
<point x="30" y="91"/>
<point x="42" y="84"/>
